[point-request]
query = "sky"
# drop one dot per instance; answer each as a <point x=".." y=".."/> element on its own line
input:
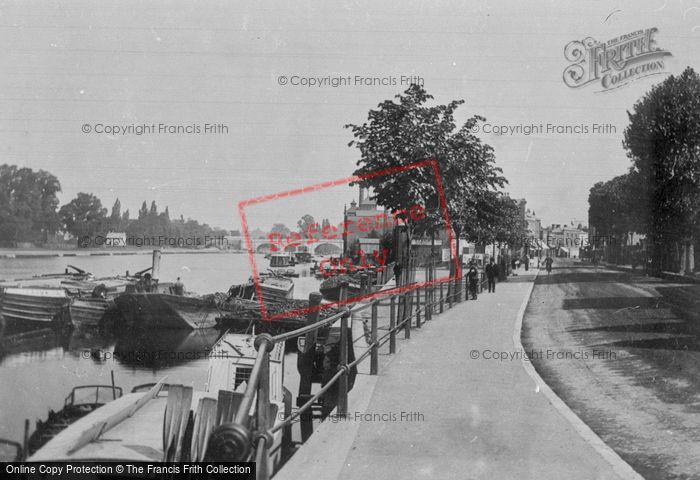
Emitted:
<point x="71" y="70"/>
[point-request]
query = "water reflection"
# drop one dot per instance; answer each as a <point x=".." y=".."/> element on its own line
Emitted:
<point x="164" y="349"/>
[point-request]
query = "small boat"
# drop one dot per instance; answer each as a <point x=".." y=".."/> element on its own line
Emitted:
<point x="175" y="423"/>
<point x="282" y="260"/>
<point x="330" y="288"/>
<point x="80" y="402"/>
<point x="49" y="299"/>
<point x="163" y="310"/>
<point x="47" y="305"/>
<point x="276" y="287"/>
<point x="290" y="272"/>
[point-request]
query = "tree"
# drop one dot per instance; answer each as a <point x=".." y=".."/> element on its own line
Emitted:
<point x="406" y="131"/>
<point x="280" y="228"/>
<point x="153" y="212"/>
<point x="305" y="222"/>
<point x="143" y="211"/>
<point x="28" y="204"/>
<point x="663" y="142"/>
<point x="115" y="219"/>
<point x="84" y="215"/>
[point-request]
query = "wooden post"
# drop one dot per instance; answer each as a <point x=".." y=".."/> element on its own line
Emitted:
<point x="406" y="315"/>
<point x="428" y="304"/>
<point x="417" y="293"/>
<point x="343" y="361"/>
<point x="305" y="365"/>
<point x="363" y="284"/>
<point x="450" y="287"/>
<point x="442" y="298"/>
<point x="374" y="356"/>
<point x="155" y="265"/>
<point x="25" y="442"/>
<point x="392" y="325"/>
<point x="458" y="290"/>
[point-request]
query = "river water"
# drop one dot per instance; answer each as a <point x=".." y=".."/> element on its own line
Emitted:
<point x="38" y="368"/>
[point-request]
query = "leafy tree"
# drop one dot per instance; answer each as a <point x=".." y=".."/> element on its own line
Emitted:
<point x="28" y="204"/>
<point x="280" y="228"/>
<point x="305" y="222"/>
<point x="84" y="215"/>
<point x="406" y="131"/>
<point x="663" y="142"/>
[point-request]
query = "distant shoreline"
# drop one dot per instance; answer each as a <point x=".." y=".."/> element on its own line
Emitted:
<point x="6" y="253"/>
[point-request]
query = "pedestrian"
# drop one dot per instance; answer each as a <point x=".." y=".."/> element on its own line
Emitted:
<point x="514" y="266"/>
<point x="526" y="261"/>
<point x="473" y="278"/>
<point x="179" y="287"/>
<point x="397" y="272"/>
<point x="548" y="263"/>
<point x="491" y="270"/>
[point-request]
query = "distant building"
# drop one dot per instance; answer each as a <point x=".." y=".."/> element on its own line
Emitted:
<point x="533" y="245"/>
<point x="368" y="241"/>
<point x="565" y="240"/>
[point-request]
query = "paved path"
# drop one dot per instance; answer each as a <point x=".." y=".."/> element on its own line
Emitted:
<point x="472" y="418"/>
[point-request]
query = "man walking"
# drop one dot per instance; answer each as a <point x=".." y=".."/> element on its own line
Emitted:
<point x="491" y="270"/>
<point x="473" y="277"/>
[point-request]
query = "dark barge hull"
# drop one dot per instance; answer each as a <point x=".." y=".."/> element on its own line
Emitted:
<point x="35" y="305"/>
<point x="162" y="310"/>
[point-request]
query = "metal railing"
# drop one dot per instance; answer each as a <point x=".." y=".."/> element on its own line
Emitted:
<point x="415" y="300"/>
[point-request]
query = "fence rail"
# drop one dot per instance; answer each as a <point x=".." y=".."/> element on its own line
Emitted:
<point x="415" y="300"/>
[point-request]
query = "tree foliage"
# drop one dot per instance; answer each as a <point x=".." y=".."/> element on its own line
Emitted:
<point x="663" y="142"/>
<point x="28" y="205"/>
<point x="408" y="130"/>
<point x="84" y="215"/>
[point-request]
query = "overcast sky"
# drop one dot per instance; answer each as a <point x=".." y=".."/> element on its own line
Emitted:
<point x="66" y="64"/>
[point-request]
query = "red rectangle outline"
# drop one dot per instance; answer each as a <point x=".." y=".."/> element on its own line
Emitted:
<point x="344" y="181"/>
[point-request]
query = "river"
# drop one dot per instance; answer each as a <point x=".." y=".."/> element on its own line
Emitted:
<point x="39" y="368"/>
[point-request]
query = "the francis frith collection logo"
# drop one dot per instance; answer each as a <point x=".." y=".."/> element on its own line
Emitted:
<point x="614" y="63"/>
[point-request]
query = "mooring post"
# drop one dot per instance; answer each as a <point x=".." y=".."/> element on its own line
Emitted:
<point x="392" y="326"/>
<point x="305" y="365"/>
<point x="374" y="356"/>
<point x="343" y="361"/>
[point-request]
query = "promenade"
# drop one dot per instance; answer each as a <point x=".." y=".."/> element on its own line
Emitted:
<point x="437" y="411"/>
